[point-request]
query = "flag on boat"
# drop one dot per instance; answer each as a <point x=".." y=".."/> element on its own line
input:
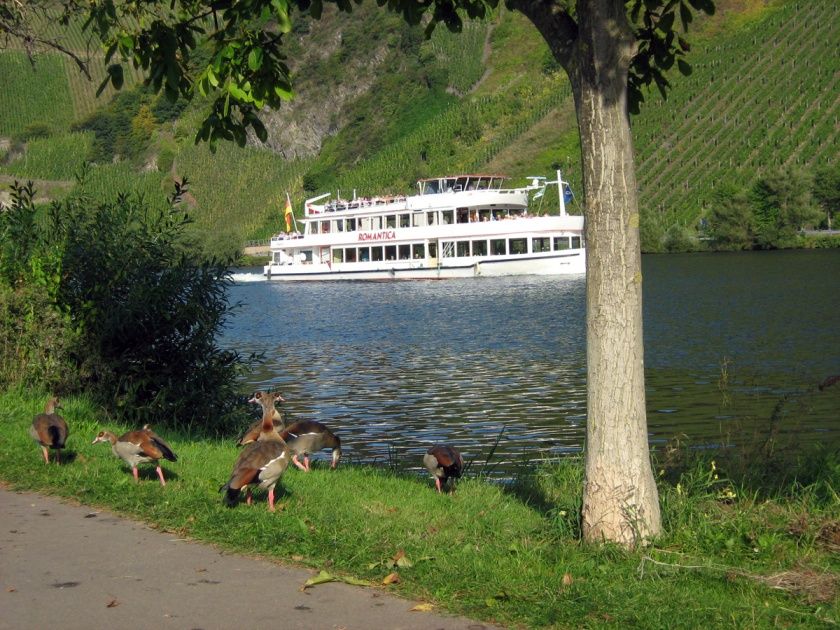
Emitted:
<point x="287" y="213"/>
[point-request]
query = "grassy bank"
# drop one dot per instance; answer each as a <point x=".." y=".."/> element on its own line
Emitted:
<point x="509" y="555"/>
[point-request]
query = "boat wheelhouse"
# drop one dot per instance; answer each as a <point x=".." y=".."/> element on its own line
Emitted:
<point x="453" y="227"/>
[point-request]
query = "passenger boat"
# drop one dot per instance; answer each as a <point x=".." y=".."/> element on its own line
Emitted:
<point x="453" y="227"/>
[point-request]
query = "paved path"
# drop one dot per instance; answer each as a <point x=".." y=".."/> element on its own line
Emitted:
<point x="72" y="567"/>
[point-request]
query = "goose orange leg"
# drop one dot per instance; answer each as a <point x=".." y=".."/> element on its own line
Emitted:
<point x="160" y="474"/>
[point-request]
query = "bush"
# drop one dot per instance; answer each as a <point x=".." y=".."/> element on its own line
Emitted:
<point x="137" y="311"/>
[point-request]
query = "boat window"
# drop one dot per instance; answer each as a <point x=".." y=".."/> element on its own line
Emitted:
<point x="463" y="248"/>
<point x="339" y="225"/>
<point x="431" y="188"/>
<point x="561" y="242"/>
<point x="479" y="248"/>
<point x="447" y="216"/>
<point x="576" y="242"/>
<point x="484" y="215"/>
<point x="405" y="220"/>
<point x="463" y="215"/>
<point x="364" y="254"/>
<point x="474" y="216"/>
<point x="376" y="253"/>
<point x="498" y="247"/>
<point x="405" y="252"/>
<point x="338" y="255"/>
<point x="390" y="252"/>
<point x="391" y="221"/>
<point x="433" y="250"/>
<point x="418" y="219"/>
<point x="541" y="245"/>
<point x="518" y="245"/>
<point x="350" y="254"/>
<point x="431" y="218"/>
<point x="418" y="250"/>
<point x="313" y="227"/>
<point x="376" y="223"/>
<point x="448" y="249"/>
<point x="351" y="225"/>
<point x="325" y="227"/>
<point x="364" y="223"/>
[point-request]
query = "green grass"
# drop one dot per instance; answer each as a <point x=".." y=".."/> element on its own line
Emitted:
<point x="509" y="555"/>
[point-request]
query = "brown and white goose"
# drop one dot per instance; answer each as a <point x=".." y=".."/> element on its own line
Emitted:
<point x="139" y="447"/>
<point x="253" y="432"/>
<point x="261" y="462"/>
<point x="50" y="430"/>
<point x="303" y="438"/>
<point x="444" y="462"/>
<point x="309" y="436"/>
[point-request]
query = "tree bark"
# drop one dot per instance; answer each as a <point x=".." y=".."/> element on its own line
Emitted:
<point x="620" y="499"/>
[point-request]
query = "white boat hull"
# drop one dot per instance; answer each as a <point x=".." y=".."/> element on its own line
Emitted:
<point x="567" y="263"/>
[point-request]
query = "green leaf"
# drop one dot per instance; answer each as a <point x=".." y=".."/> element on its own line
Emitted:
<point x="211" y="77"/>
<point x="685" y="67"/>
<point x="116" y="73"/>
<point x="255" y="59"/>
<point x="281" y="10"/>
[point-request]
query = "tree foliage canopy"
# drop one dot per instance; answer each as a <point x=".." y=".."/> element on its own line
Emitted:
<point x="231" y="52"/>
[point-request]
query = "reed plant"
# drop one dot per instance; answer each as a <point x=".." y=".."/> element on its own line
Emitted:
<point x="507" y="553"/>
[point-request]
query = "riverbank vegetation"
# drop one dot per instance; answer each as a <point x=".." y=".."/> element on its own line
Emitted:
<point x="743" y="551"/>
<point x="488" y="99"/>
<point x="113" y="299"/>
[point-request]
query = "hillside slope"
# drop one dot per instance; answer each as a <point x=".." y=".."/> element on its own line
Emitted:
<point x="378" y="107"/>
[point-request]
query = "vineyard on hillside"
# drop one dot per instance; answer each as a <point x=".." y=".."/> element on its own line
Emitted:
<point x="764" y="97"/>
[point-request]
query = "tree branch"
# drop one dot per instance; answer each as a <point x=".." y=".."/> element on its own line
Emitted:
<point x="555" y="24"/>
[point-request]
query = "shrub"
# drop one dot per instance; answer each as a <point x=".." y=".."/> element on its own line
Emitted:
<point x="138" y="310"/>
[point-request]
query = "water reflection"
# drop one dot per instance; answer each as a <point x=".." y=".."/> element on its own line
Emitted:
<point x="395" y="367"/>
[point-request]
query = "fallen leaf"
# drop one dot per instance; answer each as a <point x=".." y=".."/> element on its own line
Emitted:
<point x="297" y="557"/>
<point x="11" y="589"/>
<point x="422" y="608"/>
<point x="567" y="579"/>
<point x="323" y="577"/>
<point x="112" y="604"/>
<point x="391" y="578"/>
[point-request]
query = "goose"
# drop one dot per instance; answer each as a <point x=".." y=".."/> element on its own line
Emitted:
<point x="309" y="436"/>
<point x="262" y="462"/>
<point x="253" y="432"/>
<point x="139" y="447"/>
<point x="303" y="438"/>
<point x="444" y="462"/>
<point x="50" y="430"/>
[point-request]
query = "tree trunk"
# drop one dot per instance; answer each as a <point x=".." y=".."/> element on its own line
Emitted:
<point x="620" y="500"/>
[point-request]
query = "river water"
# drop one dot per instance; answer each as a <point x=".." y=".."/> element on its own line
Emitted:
<point x="500" y="362"/>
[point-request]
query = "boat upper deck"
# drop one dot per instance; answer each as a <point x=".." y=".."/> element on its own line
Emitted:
<point x="437" y="193"/>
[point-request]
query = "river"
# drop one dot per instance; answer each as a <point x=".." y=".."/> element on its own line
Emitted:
<point x="395" y="367"/>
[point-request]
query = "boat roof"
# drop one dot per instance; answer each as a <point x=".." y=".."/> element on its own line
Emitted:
<point x="434" y="179"/>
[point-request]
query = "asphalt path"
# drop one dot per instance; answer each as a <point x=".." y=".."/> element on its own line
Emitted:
<point x="71" y="566"/>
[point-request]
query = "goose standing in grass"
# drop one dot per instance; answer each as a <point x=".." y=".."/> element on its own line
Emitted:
<point x="309" y="436"/>
<point x="444" y="462"/>
<point x="139" y="447"/>
<point x="303" y="438"/>
<point x="253" y="432"/>
<point x="50" y="430"/>
<point x="262" y="462"/>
